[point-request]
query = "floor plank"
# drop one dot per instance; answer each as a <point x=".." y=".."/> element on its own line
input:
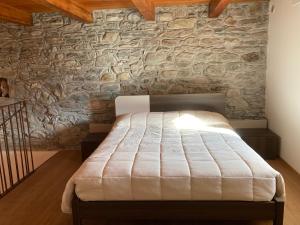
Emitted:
<point x="37" y="200"/>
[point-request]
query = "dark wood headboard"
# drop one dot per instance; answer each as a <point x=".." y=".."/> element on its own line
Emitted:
<point x="209" y="102"/>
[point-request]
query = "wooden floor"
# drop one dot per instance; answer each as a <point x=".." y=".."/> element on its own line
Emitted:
<point x="37" y="200"/>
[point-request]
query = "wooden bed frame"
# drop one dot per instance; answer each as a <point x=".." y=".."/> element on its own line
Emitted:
<point x="175" y="210"/>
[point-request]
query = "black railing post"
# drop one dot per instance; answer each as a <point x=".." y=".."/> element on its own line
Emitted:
<point x="16" y="157"/>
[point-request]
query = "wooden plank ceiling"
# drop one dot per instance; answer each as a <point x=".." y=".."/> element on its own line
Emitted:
<point x="20" y="11"/>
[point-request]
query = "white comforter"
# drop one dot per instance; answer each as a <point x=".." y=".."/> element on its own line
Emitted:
<point x="174" y="156"/>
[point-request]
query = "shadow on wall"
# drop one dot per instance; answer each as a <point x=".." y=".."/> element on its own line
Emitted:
<point x="64" y="124"/>
<point x="66" y="139"/>
<point x="63" y="127"/>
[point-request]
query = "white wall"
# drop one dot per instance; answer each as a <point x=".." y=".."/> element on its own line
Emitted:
<point x="283" y="78"/>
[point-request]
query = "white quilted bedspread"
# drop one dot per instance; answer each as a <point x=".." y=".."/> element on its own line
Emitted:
<point x="191" y="155"/>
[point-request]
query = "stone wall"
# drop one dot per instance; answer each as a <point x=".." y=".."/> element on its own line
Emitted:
<point x="70" y="72"/>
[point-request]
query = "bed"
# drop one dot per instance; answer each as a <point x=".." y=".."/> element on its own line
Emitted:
<point x="175" y="157"/>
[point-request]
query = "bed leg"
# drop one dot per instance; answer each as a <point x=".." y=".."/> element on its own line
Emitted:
<point x="279" y="212"/>
<point x="75" y="211"/>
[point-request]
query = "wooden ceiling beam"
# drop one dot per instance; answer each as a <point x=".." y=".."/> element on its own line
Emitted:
<point x="146" y="8"/>
<point x="178" y="2"/>
<point x="71" y="8"/>
<point x="106" y="4"/>
<point x="216" y="7"/>
<point x="12" y="14"/>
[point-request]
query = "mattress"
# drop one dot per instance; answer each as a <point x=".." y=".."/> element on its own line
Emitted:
<point x="184" y="155"/>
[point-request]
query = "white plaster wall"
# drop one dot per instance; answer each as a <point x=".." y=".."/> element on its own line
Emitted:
<point x="283" y="78"/>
